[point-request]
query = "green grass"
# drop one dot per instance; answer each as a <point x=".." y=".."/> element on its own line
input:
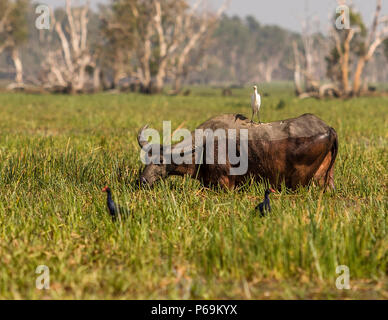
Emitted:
<point x="184" y="241"/>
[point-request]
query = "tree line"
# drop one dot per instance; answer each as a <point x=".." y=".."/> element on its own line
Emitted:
<point x="154" y="46"/>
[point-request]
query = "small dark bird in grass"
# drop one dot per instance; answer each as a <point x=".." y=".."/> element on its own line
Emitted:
<point x="110" y="203"/>
<point x="265" y="205"/>
<point x="114" y="211"/>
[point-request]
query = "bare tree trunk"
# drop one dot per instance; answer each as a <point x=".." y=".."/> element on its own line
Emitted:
<point x="364" y="59"/>
<point x="268" y="73"/>
<point x="195" y="38"/>
<point x="178" y="84"/>
<point x="9" y="42"/>
<point x="271" y="65"/>
<point x="116" y="78"/>
<point x="357" y="75"/>
<point x="166" y="37"/>
<point x="375" y="39"/>
<point x="163" y="51"/>
<point x="144" y="59"/>
<point x="345" y="62"/>
<point x="297" y="70"/>
<point x="97" y="79"/>
<point x="67" y="67"/>
<point x="18" y="66"/>
<point x="160" y="76"/>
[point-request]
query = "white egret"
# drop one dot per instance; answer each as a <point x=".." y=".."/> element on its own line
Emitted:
<point x="255" y="103"/>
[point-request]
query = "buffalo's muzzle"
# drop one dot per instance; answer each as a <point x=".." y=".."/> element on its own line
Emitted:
<point x="142" y="182"/>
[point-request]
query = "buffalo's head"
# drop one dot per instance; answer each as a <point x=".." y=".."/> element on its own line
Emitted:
<point x="157" y="167"/>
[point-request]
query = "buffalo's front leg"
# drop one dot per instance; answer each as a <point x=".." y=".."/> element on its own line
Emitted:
<point x="227" y="182"/>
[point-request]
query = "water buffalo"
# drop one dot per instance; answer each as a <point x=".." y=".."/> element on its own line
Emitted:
<point x="294" y="151"/>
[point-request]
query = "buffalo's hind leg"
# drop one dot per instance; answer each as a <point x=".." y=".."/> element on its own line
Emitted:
<point x="227" y="182"/>
<point x="325" y="175"/>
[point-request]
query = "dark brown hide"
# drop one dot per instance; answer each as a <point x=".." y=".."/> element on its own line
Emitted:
<point x="296" y="151"/>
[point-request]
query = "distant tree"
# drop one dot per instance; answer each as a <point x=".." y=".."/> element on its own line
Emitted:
<point x="244" y="51"/>
<point x="70" y="57"/>
<point x="230" y="50"/>
<point x="271" y="48"/>
<point x="350" y="50"/>
<point x="13" y="32"/>
<point x="369" y="45"/>
<point x="386" y="48"/>
<point x="309" y="53"/>
<point x="117" y="47"/>
<point x="357" y="46"/>
<point x="162" y="36"/>
<point x="345" y="43"/>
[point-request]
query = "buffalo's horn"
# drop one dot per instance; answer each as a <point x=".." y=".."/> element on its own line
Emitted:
<point x="141" y="139"/>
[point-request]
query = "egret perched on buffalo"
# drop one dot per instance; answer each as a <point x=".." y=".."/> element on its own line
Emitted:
<point x="255" y="103"/>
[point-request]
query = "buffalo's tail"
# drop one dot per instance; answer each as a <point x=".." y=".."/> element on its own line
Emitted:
<point x="334" y="152"/>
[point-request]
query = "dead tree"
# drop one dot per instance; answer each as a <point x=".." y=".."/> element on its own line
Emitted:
<point x="297" y="70"/>
<point x="348" y="82"/>
<point x="166" y="34"/>
<point x="66" y="65"/>
<point x="5" y="28"/>
<point x="12" y="33"/>
<point x="374" y="39"/>
<point x="343" y="44"/>
<point x="192" y="37"/>
<point x="306" y="74"/>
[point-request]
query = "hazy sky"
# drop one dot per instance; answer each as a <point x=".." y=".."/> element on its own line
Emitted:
<point x="286" y="13"/>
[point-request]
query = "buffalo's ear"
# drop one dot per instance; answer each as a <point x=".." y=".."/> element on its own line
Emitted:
<point x="193" y="150"/>
<point x="141" y="139"/>
<point x="198" y="149"/>
<point x="148" y="150"/>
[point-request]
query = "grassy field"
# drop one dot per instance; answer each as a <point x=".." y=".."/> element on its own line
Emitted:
<point x="184" y="241"/>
